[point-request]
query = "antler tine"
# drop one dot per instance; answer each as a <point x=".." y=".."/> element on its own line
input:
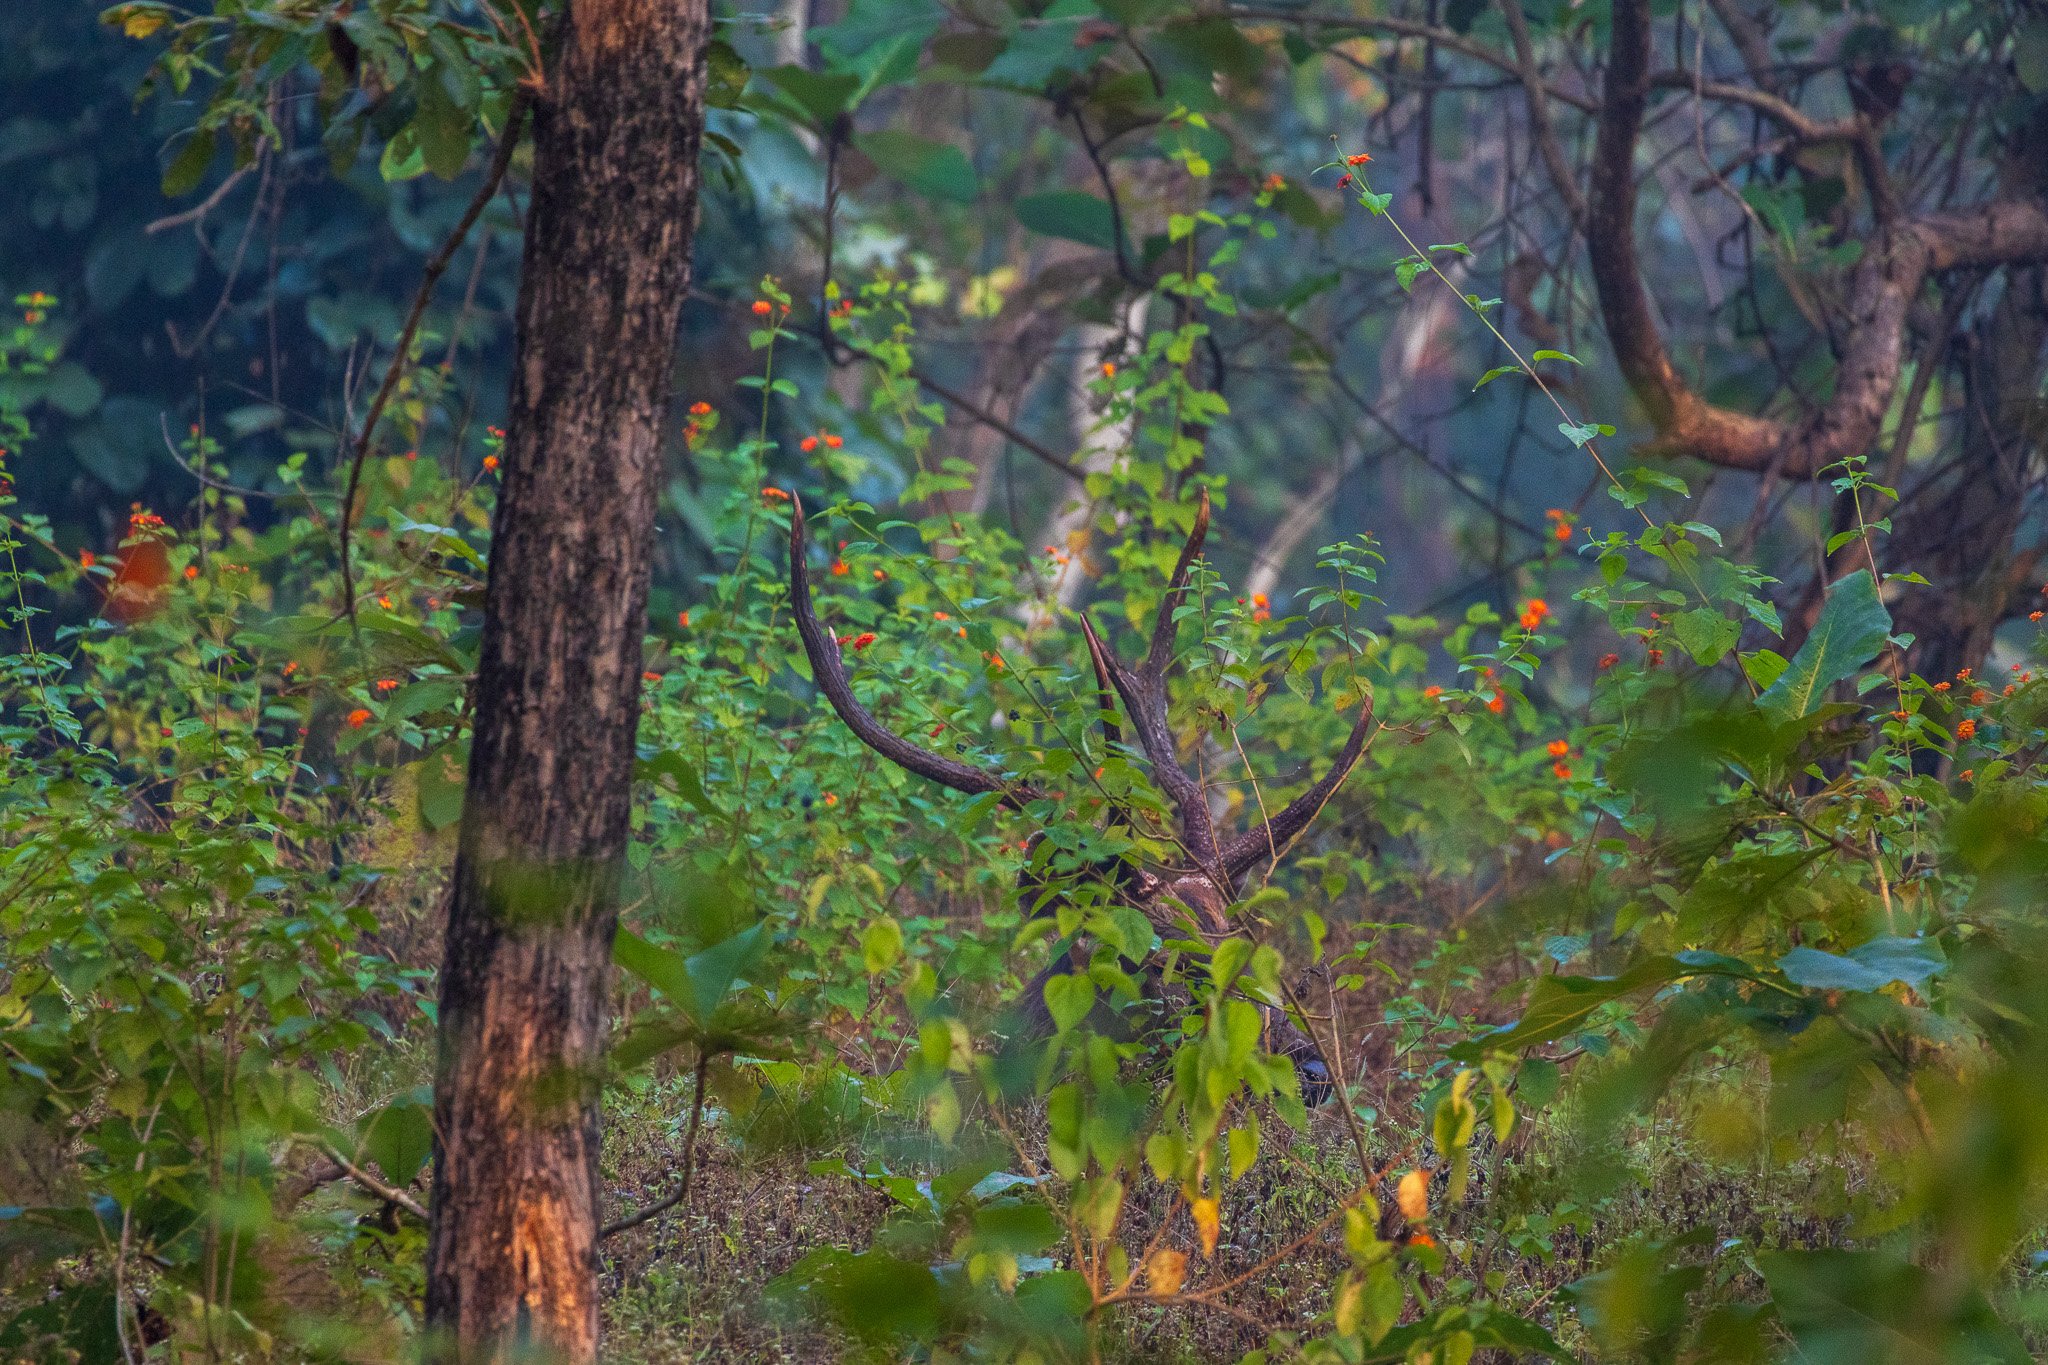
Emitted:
<point x="1269" y="840"/>
<point x="1161" y="651"/>
<point x="830" y="671"/>
<point x="1144" y="698"/>
<point x="1105" y="697"/>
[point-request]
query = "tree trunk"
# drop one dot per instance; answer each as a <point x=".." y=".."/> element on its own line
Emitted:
<point x="512" y="1255"/>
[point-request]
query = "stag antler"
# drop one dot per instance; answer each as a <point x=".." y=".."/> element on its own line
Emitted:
<point x="1143" y="690"/>
<point x="1270" y="839"/>
<point x="829" y="669"/>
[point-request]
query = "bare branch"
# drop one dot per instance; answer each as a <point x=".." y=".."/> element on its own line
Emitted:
<point x="1895" y="264"/>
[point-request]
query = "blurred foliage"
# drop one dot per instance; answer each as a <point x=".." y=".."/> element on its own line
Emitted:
<point x="1621" y="857"/>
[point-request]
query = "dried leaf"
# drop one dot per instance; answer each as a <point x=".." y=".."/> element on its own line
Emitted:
<point x="1165" y="1269"/>
<point x="1208" y="1222"/>
<point x="1412" y="1195"/>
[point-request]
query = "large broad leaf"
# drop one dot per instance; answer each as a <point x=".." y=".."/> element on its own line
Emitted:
<point x="938" y="169"/>
<point x="698" y="984"/>
<point x="1561" y="1004"/>
<point x="1858" y="1307"/>
<point x="1876" y="964"/>
<point x="820" y="96"/>
<point x="400" y="1136"/>
<point x="1853" y="627"/>
<point x="1072" y="214"/>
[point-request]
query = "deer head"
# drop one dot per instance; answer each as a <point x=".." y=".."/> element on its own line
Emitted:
<point x="1208" y="868"/>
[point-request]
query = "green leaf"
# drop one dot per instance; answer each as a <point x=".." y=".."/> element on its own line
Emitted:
<point x="1579" y="434"/>
<point x="442" y="783"/>
<point x="1560" y="1005"/>
<point x="442" y="130"/>
<point x="670" y="764"/>
<point x="726" y="75"/>
<point x="1541" y="356"/>
<point x="188" y="167"/>
<point x="1853" y="626"/>
<point x="1072" y="214"/>
<point x="819" y="96"/>
<point x="881" y="944"/>
<point x="1706" y="634"/>
<point x="699" y="984"/>
<point x="1873" y="966"/>
<point x="1495" y="373"/>
<point x="1069" y="997"/>
<point x="938" y="169"/>
<point x="1851" y="1307"/>
<point x="400" y="1137"/>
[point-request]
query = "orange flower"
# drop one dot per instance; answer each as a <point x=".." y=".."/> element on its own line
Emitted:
<point x="1941" y="687"/>
<point x="1965" y="729"/>
<point x="1533" y="612"/>
<point x="1432" y="692"/>
<point x="1109" y="369"/>
<point x="833" y="441"/>
<point x="1609" y="660"/>
<point x="1962" y="675"/>
<point x="683" y="619"/>
<point x="1656" y="657"/>
<point x="1563" y="770"/>
<point x="880" y="576"/>
<point x="1979" y="697"/>
<point x="1562" y="532"/>
<point x="291" y="668"/>
<point x="1557" y="748"/>
<point x="1274" y="182"/>
<point x="387" y="684"/>
<point x="807" y="444"/>
<point x="1497" y="703"/>
<point x="700" y="408"/>
<point x="490" y="463"/>
<point x="191" y="571"/>
<point x="839" y="569"/>
<point x="1554" y="513"/>
<point x="962" y="632"/>
<point x="1966" y="774"/>
<point x="774" y="493"/>
<point x="650" y="677"/>
<point x="762" y="308"/>
<point x="831" y="798"/>
<point x="357" y="717"/>
<point x="863" y="640"/>
<point x="1422" y="1239"/>
<point x="2033" y="616"/>
<point x="1356" y="159"/>
<point x="384" y="602"/>
<point x="1343" y="181"/>
<point x="941" y="616"/>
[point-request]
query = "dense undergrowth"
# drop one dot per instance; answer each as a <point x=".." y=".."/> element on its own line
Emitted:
<point x="1687" y="998"/>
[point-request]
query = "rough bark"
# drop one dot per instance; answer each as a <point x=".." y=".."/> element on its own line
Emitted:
<point x="512" y="1258"/>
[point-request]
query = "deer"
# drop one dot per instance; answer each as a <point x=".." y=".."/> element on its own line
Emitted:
<point x="1202" y="881"/>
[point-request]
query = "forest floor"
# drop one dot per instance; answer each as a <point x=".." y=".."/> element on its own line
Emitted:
<point x="692" y="1284"/>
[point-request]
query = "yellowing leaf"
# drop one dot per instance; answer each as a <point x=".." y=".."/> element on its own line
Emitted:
<point x="1412" y="1195"/>
<point x="1208" y="1222"/>
<point x="140" y="23"/>
<point x="1165" y="1270"/>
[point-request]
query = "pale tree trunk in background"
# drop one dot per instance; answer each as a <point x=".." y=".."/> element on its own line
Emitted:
<point x="512" y="1253"/>
<point x="1096" y="449"/>
<point x="1308" y="511"/>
